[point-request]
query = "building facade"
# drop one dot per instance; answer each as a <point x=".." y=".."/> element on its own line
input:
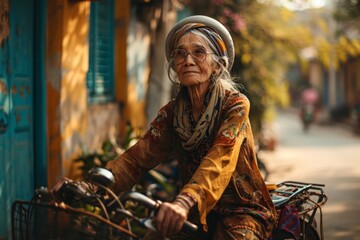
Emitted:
<point x="73" y="74"/>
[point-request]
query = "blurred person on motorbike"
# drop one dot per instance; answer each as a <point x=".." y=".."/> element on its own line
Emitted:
<point x="308" y="106"/>
<point x="207" y="129"/>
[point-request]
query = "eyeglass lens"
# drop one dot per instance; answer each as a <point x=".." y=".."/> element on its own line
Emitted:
<point x="198" y="55"/>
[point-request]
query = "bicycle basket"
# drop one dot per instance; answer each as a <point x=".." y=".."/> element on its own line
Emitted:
<point x="34" y="220"/>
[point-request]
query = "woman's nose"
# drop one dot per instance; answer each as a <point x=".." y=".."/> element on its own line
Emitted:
<point x="189" y="59"/>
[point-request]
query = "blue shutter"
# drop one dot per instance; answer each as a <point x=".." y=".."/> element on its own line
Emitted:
<point x="16" y="110"/>
<point x="100" y="77"/>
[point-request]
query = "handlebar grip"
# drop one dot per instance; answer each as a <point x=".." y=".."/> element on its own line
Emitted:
<point x="190" y="226"/>
<point x="148" y="202"/>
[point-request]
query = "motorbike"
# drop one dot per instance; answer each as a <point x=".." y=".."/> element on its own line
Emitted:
<point x="307" y="116"/>
<point x="89" y="209"/>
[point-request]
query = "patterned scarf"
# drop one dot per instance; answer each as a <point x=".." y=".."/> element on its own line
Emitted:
<point x="192" y="135"/>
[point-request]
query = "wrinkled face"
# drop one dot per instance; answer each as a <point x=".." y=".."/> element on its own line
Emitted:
<point x="193" y="61"/>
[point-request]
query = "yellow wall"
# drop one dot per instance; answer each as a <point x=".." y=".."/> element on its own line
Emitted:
<point x="72" y="122"/>
<point x="53" y="84"/>
<point x="138" y="69"/>
<point x="131" y="67"/>
<point x="74" y="66"/>
<point x="67" y="63"/>
<point x="122" y="15"/>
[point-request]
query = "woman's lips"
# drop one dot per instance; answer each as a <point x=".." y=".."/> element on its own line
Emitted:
<point x="189" y="72"/>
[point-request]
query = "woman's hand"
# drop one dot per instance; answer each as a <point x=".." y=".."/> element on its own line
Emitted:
<point x="170" y="218"/>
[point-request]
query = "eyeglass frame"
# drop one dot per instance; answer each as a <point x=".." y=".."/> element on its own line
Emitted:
<point x="191" y="53"/>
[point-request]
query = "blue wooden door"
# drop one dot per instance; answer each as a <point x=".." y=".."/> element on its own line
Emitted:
<point x="16" y="110"/>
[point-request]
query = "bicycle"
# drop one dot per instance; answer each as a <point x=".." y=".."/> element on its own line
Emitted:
<point x="88" y="209"/>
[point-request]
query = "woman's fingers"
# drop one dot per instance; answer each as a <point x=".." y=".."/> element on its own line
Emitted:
<point x="170" y="219"/>
<point x="161" y="219"/>
<point x="178" y="225"/>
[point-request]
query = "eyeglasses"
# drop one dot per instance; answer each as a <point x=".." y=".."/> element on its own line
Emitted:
<point x="198" y="55"/>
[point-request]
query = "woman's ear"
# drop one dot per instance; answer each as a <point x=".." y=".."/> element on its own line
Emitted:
<point x="223" y="62"/>
<point x="218" y="69"/>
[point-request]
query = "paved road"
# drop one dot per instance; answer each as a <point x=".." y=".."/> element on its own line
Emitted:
<point x="326" y="154"/>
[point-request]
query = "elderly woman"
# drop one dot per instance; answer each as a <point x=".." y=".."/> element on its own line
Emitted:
<point x="206" y="127"/>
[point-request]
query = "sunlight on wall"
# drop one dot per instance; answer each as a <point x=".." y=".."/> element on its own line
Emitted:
<point x="138" y="72"/>
<point x="73" y="98"/>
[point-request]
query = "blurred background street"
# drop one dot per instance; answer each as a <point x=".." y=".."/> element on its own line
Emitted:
<point x="328" y="154"/>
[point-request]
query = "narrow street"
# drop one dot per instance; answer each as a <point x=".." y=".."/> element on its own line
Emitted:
<point x="326" y="154"/>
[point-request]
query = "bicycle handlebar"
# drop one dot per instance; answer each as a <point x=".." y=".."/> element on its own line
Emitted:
<point x="154" y="205"/>
<point x="69" y="191"/>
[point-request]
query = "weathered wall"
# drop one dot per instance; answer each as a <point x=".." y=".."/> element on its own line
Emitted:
<point x="73" y="124"/>
<point x="122" y="16"/>
<point x="73" y="94"/>
<point x="138" y="47"/>
<point x="55" y="15"/>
